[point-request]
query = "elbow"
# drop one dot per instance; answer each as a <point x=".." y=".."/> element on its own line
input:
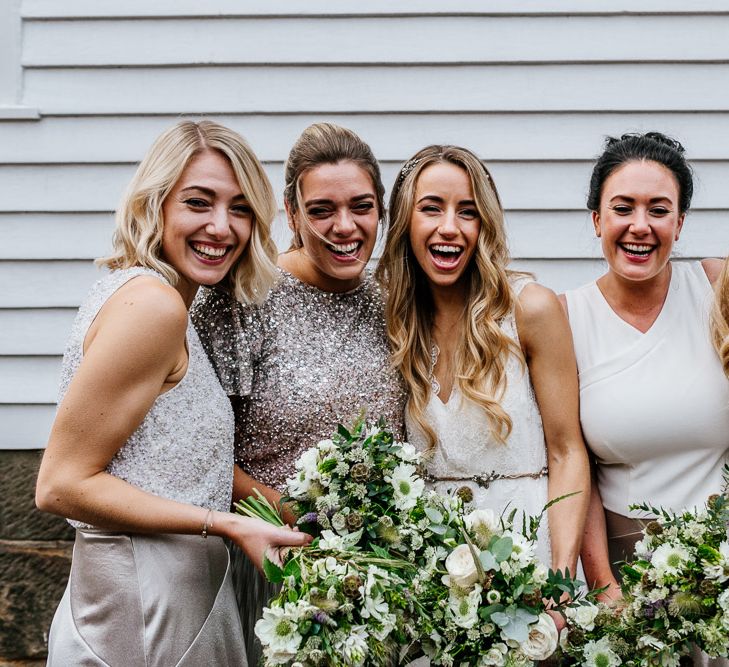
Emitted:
<point x="50" y="493"/>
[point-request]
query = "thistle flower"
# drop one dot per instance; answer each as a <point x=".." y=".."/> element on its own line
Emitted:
<point x="354" y="521"/>
<point x="653" y="528"/>
<point x="685" y="604"/>
<point x="465" y="494"/>
<point x="351" y="585"/>
<point x="360" y="473"/>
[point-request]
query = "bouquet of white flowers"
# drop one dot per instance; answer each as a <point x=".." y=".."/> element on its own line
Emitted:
<point x="676" y="593"/>
<point x="481" y="591"/>
<point x="336" y="608"/>
<point x="357" y="489"/>
<point x="677" y="589"/>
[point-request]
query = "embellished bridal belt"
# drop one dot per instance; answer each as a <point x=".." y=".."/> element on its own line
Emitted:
<point x="484" y="480"/>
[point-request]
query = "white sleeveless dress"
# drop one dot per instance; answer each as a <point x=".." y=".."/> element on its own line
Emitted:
<point x="654" y="406"/>
<point x="466" y="448"/>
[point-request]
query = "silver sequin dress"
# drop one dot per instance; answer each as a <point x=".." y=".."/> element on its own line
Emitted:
<point x="302" y="362"/>
<point x="156" y="599"/>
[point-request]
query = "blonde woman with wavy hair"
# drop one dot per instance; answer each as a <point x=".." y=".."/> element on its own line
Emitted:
<point x="139" y="220"/>
<point x="720" y="318"/>
<point x="485" y="351"/>
<point x="140" y="456"/>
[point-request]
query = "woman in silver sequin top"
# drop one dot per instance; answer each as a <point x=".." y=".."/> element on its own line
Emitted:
<point x="315" y="353"/>
<point x="140" y="456"/>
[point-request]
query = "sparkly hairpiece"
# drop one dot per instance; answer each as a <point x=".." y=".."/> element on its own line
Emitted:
<point x="406" y="169"/>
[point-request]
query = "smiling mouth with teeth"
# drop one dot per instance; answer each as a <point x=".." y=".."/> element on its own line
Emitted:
<point x="345" y="248"/>
<point x="209" y="252"/>
<point x="447" y="252"/>
<point x="637" y="249"/>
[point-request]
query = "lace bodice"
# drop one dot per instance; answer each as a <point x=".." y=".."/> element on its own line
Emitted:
<point x="466" y="447"/>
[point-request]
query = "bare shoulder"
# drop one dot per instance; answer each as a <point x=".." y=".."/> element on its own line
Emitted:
<point x="712" y="267"/>
<point x="537" y="304"/>
<point x="143" y="311"/>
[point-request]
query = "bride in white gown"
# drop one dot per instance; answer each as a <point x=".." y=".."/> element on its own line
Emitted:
<point x="486" y="352"/>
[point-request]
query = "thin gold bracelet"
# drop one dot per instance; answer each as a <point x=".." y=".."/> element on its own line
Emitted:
<point x="207" y="524"/>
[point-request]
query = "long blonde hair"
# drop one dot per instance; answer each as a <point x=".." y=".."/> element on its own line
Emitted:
<point x="484" y="349"/>
<point x="139" y="221"/>
<point x="720" y="318"/>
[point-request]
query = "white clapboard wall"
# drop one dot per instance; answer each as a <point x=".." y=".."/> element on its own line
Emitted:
<point x="531" y="86"/>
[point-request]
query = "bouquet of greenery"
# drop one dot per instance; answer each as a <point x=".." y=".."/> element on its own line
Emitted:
<point x="357" y="489"/>
<point x="337" y="608"/>
<point x="482" y="593"/>
<point x="676" y="593"/>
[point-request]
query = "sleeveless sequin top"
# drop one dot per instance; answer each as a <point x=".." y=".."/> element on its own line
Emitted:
<point x="183" y="449"/>
<point x="302" y="362"/>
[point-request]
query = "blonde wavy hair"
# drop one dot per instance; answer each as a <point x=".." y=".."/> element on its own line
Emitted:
<point x="139" y="221"/>
<point x="720" y="318"/>
<point x="484" y="349"/>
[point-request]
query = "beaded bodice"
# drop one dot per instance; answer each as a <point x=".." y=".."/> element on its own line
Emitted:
<point x="302" y="362"/>
<point x="183" y="449"/>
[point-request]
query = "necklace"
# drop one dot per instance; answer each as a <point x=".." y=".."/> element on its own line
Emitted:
<point x="434" y="354"/>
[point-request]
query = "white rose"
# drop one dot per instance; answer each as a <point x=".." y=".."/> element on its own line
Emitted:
<point x="408" y="453"/>
<point x="495" y="656"/>
<point x="583" y="615"/>
<point x="461" y="567"/>
<point x="543" y="638"/>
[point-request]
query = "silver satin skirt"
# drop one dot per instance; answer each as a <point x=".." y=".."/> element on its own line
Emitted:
<point x="147" y="600"/>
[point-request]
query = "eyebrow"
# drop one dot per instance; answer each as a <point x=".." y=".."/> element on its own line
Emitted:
<point x="356" y="198"/>
<point x="209" y="192"/>
<point x="440" y="200"/>
<point x="651" y="200"/>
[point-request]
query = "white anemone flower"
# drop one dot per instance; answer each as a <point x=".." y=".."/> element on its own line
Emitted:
<point x="353" y="646"/>
<point x="279" y="633"/>
<point x="407" y="485"/>
<point x="600" y="654"/>
<point x="670" y="558"/>
<point x="464" y="608"/>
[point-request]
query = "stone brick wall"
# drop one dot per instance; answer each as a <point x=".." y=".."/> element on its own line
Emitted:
<point x="35" y="557"/>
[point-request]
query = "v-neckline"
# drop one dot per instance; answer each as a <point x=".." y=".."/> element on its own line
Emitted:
<point x="672" y="288"/>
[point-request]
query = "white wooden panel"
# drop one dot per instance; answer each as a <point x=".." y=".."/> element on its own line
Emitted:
<point x="175" y="8"/>
<point x="55" y="236"/>
<point x="321" y="89"/>
<point x="45" y="284"/>
<point x="35" y="331"/>
<point x="29" y="379"/>
<point x="561" y="274"/>
<point x="25" y="426"/>
<point x="532" y="234"/>
<point x="388" y="40"/>
<point x="522" y="185"/>
<point x="393" y="137"/>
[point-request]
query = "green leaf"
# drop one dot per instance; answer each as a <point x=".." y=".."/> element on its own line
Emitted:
<point x="434" y="515"/>
<point x="272" y="571"/>
<point x="292" y="569"/>
<point x="379" y="551"/>
<point x="439" y="530"/>
<point x="502" y="549"/>
<point x="488" y="561"/>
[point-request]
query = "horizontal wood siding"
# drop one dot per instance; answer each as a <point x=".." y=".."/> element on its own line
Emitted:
<point x="532" y="87"/>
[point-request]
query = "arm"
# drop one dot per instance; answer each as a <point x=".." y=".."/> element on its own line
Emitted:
<point x="594" y="554"/>
<point x="134" y="350"/>
<point x="713" y="268"/>
<point x="547" y="343"/>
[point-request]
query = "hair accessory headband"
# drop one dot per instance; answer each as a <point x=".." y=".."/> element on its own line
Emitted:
<point x="406" y="169"/>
